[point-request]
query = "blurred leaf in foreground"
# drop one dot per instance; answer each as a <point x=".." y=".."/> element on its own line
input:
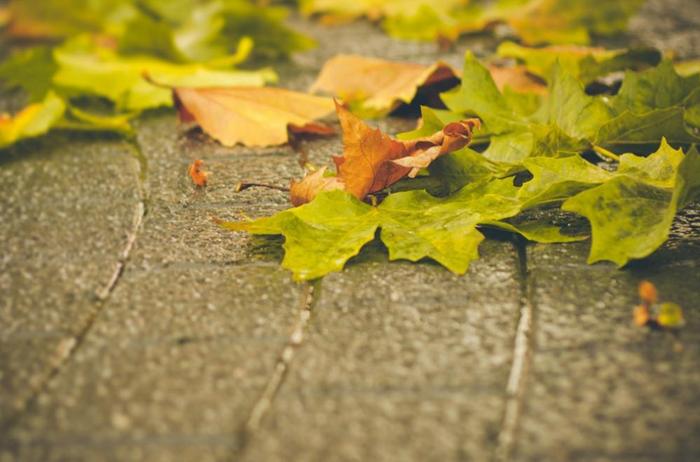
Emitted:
<point x="34" y="120"/>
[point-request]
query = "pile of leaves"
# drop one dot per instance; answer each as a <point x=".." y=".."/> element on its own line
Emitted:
<point x="533" y="151"/>
<point x="504" y="143"/>
<point x="90" y="71"/>
<point x="532" y="21"/>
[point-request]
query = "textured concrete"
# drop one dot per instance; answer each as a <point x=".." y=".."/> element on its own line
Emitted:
<point x="67" y="207"/>
<point x="601" y="388"/>
<point x="175" y="361"/>
<point x="401" y="363"/>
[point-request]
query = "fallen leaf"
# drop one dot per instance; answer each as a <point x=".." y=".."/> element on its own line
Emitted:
<point x="301" y="192"/>
<point x="517" y="78"/>
<point x="177" y="30"/>
<point x="321" y="236"/>
<point x="631" y="215"/>
<point x="34" y="120"/>
<point x="380" y="86"/>
<point x="423" y="151"/>
<point x="250" y="116"/>
<point x="585" y="63"/>
<point x="647" y="292"/>
<point x="373" y="161"/>
<point x="365" y="165"/>
<point x="670" y="316"/>
<point x="198" y="176"/>
<point x="120" y="79"/>
<point x="374" y="87"/>
<point x="31" y="69"/>
<point x="534" y="21"/>
<point x="565" y="21"/>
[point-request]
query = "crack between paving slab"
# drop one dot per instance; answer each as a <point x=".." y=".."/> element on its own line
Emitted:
<point x="67" y="347"/>
<point x="282" y="366"/>
<point x="522" y="354"/>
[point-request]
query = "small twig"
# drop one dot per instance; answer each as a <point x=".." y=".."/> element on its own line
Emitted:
<point x="243" y="185"/>
<point x="605" y="154"/>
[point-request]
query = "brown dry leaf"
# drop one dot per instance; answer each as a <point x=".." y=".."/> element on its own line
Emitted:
<point x="452" y="137"/>
<point x="199" y="177"/>
<point x="379" y="84"/>
<point x="366" y="165"/>
<point x="312" y="128"/>
<point x="250" y="115"/>
<point x="373" y="161"/>
<point x="305" y="190"/>
<point x="517" y="78"/>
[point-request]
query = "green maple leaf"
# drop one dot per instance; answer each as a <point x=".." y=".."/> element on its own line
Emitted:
<point x="32" y="70"/>
<point x="586" y="64"/>
<point x="321" y="236"/>
<point x="534" y="21"/>
<point x="191" y="31"/>
<point x="557" y="179"/>
<point x="564" y="122"/>
<point x="569" y="108"/>
<point x="478" y="95"/>
<point x="631" y="215"/>
<point x="416" y="225"/>
<point x="653" y="104"/>
<point x="121" y="79"/>
<point x="457" y="169"/>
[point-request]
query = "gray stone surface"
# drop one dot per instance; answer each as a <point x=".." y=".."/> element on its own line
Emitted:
<point x="601" y="388"/>
<point x="174" y="363"/>
<point x="401" y="363"/>
<point x="67" y="206"/>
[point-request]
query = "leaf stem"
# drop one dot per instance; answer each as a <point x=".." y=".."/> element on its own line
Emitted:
<point x="243" y="185"/>
<point x="606" y="154"/>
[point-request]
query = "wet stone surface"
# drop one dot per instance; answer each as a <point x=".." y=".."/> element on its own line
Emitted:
<point x="203" y="348"/>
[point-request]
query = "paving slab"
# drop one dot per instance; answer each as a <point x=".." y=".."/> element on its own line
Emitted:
<point x="174" y="362"/>
<point x="197" y="319"/>
<point x="178" y="226"/>
<point x="68" y="206"/>
<point x="601" y="388"/>
<point x="401" y="362"/>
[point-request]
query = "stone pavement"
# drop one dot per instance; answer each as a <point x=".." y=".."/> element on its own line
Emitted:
<point x="132" y="328"/>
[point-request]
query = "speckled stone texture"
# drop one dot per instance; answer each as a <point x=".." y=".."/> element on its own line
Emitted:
<point x="132" y="328"/>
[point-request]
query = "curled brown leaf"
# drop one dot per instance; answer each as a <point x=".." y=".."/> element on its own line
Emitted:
<point x="373" y="161"/>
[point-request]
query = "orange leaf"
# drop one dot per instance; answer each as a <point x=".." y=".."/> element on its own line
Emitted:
<point x="199" y="177"/>
<point x="518" y="79"/>
<point x="250" y="115"/>
<point x="424" y="151"/>
<point x="366" y="165"/>
<point x="647" y="292"/>
<point x="381" y="85"/>
<point x="312" y="128"/>
<point x="305" y="190"/>
<point x="372" y="160"/>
